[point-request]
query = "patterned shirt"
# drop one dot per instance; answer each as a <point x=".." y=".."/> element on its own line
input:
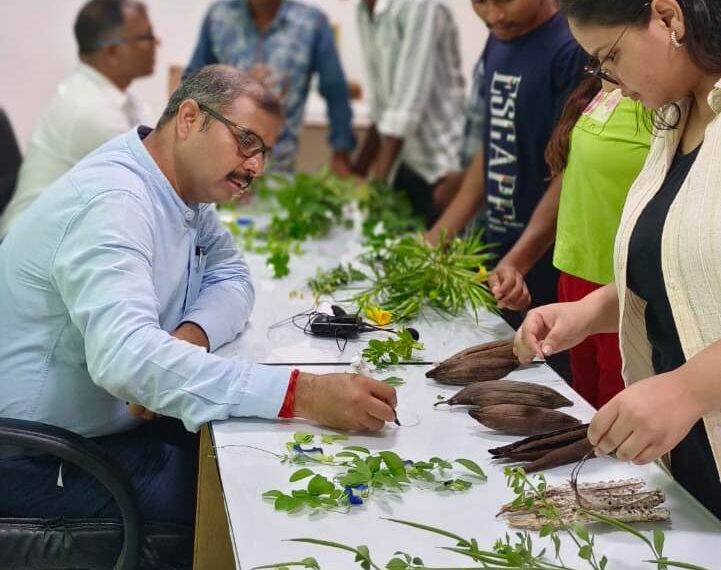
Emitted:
<point x="416" y="82"/>
<point x="297" y="45"/>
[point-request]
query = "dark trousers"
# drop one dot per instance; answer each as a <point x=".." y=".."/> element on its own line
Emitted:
<point x="160" y="458"/>
<point x="420" y="193"/>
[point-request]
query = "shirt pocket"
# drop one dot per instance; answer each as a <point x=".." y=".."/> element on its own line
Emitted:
<point x="195" y="276"/>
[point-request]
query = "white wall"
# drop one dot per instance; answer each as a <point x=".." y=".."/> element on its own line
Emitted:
<point x="37" y="48"/>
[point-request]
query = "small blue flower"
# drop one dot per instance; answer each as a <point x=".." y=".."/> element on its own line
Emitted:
<point x="356" y="493"/>
<point x="299" y="449"/>
<point x="408" y="462"/>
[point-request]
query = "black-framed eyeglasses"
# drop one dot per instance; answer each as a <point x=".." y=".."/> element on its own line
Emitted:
<point x="595" y="68"/>
<point x="249" y="143"/>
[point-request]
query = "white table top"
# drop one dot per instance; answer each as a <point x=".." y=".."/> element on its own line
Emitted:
<point x="258" y="531"/>
<point x="278" y="299"/>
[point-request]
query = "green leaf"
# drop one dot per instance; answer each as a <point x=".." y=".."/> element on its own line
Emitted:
<point x="284" y="503"/>
<point x="473" y="467"/>
<point x="441" y="463"/>
<point x="585" y="552"/>
<point x="581" y="530"/>
<point x="319" y="485"/>
<point x="397" y="564"/>
<point x="347" y="454"/>
<point x="357" y="448"/>
<point x="394" y="463"/>
<point x="658" y="541"/>
<point x="300" y="474"/>
<point x="330" y="438"/>
<point x="394" y="381"/>
<point x="303" y="438"/>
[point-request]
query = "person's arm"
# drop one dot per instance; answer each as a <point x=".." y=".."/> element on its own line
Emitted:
<point x="507" y="281"/>
<point x="389" y="148"/>
<point x="367" y="153"/>
<point x="649" y="418"/>
<point x="560" y="326"/>
<point x="226" y="294"/>
<point x="333" y="87"/>
<point x="412" y="85"/>
<point x="204" y="54"/>
<point x="465" y="204"/>
<point x="103" y="269"/>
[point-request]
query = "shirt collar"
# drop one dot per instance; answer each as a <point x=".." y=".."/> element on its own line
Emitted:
<point x="135" y="137"/>
<point x="112" y="91"/>
<point x="280" y="17"/>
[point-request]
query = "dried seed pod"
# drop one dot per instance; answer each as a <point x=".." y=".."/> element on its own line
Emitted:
<point x="483" y="362"/>
<point x="516" y="419"/>
<point x="524" y="455"/>
<point x="498" y="348"/>
<point x="543" y="441"/>
<point x="494" y="392"/>
<point x="570" y="453"/>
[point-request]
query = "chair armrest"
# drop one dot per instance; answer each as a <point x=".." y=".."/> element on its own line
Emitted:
<point x="89" y="457"/>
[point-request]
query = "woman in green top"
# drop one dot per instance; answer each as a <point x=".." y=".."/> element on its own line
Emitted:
<point x="602" y="157"/>
<point x="595" y="154"/>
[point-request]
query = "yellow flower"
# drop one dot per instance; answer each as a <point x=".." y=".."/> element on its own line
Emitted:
<point x="378" y="315"/>
<point x="482" y="275"/>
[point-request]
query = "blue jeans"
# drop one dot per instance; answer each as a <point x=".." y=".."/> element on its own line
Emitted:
<point x="160" y="458"/>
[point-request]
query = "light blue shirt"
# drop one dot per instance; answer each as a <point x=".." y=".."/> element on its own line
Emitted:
<point x="93" y="278"/>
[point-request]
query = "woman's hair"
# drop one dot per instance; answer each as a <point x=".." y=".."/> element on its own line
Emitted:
<point x="560" y="142"/>
<point x="702" y="20"/>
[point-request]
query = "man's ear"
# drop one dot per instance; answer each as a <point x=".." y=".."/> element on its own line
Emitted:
<point x="187" y="119"/>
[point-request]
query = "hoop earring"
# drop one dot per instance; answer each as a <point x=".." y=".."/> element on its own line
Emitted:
<point x="674" y="40"/>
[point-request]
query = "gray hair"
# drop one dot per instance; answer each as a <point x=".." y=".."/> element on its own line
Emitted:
<point x="218" y="86"/>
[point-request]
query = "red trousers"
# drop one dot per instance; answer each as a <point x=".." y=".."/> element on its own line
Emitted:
<point x="596" y="362"/>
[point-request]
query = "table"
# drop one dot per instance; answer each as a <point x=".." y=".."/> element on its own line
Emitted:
<point x="257" y="532"/>
<point x="267" y="340"/>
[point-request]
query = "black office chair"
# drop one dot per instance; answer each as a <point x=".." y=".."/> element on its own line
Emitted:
<point x="88" y="544"/>
<point x="9" y="161"/>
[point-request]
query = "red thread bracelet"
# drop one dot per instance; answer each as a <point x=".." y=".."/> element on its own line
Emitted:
<point x="286" y="411"/>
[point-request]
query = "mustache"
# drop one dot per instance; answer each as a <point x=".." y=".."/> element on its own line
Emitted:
<point x="241" y="177"/>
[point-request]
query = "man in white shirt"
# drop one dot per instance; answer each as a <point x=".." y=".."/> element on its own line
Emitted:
<point x="116" y="45"/>
<point x="416" y="96"/>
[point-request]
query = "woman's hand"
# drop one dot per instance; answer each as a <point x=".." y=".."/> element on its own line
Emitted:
<point x="550" y="329"/>
<point x="647" y="419"/>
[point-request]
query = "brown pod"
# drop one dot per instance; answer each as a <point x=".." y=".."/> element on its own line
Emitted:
<point x="516" y="419"/>
<point x="499" y="348"/>
<point x="570" y="453"/>
<point x="524" y="455"/>
<point x="465" y="372"/>
<point x="494" y="392"/>
<point x="489" y="361"/>
<point x="543" y="441"/>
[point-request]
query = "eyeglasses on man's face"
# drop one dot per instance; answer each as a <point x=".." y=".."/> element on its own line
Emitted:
<point x="249" y="143"/>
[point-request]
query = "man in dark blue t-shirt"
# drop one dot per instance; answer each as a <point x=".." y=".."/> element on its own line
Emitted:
<point x="530" y="65"/>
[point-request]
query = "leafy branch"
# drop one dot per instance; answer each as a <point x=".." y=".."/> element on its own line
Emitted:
<point x="389" y="352"/>
<point x="361" y="473"/>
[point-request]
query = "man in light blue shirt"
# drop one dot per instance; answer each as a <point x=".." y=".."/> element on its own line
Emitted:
<point x="114" y="286"/>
